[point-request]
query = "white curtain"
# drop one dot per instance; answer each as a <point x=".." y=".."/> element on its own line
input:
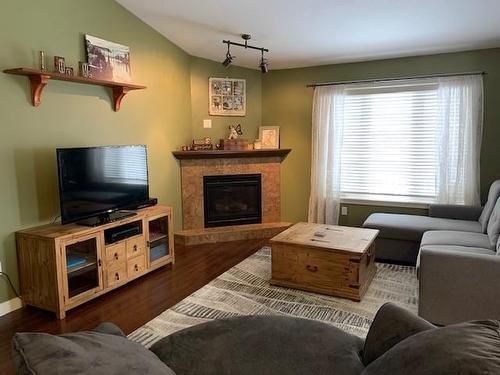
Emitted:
<point x="327" y="127"/>
<point x="459" y="123"/>
<point x="460" y="126"/>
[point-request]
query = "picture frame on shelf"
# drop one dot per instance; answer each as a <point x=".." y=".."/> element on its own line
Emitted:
<point x="269" y="137"/>
<point x="226" y="97"/>
<point x="59" y="65"/>
<point x="108" y="60"/>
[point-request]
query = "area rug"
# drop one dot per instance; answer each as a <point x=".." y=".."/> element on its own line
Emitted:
<point x="245" y="290"/>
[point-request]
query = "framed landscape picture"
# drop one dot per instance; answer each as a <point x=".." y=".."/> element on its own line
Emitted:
<point x="226" y="97"/>
<point x="108" y="60"/>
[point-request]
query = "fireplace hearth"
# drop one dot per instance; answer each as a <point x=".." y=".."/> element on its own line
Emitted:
<point x="232" y="200"/>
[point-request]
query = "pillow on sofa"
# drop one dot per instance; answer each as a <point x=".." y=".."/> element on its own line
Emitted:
<point x="391" y="325"/>
<point x="493" y="229"/>
<point x="93" y="353"/>
<point x="259" y="345"/>
<point x="465" y="348"/>
<point x="493" y="196"/>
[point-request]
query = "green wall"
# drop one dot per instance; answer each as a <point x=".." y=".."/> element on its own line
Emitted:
<point x="201" y="71"/>
<point x="168" y="113"/>
<point x="287" y="102"/>
<point x="71" y="115"/>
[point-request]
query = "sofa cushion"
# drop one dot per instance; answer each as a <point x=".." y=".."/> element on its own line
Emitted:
<point x="461" y="249"/>
<point x="466" y="348"/>
<point x="448" y="237"/>
<point x="93" y="353"/>
<point x="412" y="227"/>
<point x="493" y="196"/>
<point x="261" y="345"/>
<point x="493" y="229"/>
<point x="391" y="325"/>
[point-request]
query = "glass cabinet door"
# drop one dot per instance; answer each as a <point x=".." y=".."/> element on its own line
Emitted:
<point x="158" y="241"/>
<point x="83" y="266"/>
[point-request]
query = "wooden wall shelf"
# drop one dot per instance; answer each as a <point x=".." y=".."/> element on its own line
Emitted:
<point x="222" y="154"/>
<point x="40" y="78"/>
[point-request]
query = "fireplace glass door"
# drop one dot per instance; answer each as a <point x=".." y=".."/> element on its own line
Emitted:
<point x="232" y="199"/>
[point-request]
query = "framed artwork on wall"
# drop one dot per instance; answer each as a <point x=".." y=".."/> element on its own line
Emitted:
<point x="226" y="97"/>
<point x="269" y="137"/>
<point x="108" y="60"/>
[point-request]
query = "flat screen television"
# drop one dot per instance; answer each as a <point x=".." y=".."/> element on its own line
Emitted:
<point x="95" y="183"/>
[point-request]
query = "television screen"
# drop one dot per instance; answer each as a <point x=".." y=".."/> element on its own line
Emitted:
<point x="98" y="180"/>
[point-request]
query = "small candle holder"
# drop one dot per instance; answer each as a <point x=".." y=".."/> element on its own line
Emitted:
<point x="41" y="60"/>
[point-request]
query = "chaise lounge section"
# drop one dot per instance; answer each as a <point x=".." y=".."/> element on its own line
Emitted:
<point x="401" y="235"/>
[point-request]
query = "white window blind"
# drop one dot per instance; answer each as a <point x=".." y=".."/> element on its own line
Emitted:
<point x="390" y="143"/>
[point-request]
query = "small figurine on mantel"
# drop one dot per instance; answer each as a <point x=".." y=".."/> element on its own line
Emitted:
<point x="234" y="131"/>
<point x="234" y="141"/>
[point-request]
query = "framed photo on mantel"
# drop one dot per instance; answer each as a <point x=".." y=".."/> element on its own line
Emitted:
<point x="227" y="97"/>
<point x="269" y="137"/>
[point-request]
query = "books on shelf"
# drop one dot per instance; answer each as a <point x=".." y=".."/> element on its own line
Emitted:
<point x="73" y="261"/>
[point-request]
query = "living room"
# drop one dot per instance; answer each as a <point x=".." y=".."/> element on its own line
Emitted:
<point x="407" y="172"/>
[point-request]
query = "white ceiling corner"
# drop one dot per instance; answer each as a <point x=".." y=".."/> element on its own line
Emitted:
<point x="303" y="33"/>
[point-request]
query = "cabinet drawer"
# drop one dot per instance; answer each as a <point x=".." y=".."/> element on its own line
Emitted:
<point x="116" y="275"/>
<point x="116" y="254"/>
<point x="135" y="246"/>
<point x="136" y="266"/>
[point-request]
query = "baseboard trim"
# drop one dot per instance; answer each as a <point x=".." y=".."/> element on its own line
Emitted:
<point x="10" y="305"/>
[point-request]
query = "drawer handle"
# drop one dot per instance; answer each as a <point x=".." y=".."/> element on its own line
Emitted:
<point x="312" y="268"/>
<point x="116" y="256"/>
<point x="136" y="268"/>
<point x="135" y="247"/>
<point x="117" y="276"/>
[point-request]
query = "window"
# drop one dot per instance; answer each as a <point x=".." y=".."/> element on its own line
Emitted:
<point x="390" y="146"/>
<point x="414" y="141"/>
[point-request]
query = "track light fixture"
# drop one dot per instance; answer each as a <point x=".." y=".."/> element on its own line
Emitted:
<point x="264" y="64"/>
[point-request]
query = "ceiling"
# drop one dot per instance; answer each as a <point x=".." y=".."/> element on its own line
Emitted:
<point x="317" y="32"/>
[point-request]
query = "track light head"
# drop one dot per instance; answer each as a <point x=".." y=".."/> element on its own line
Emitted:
<point x="264" y="66"/>
<point x="229" y="58"/>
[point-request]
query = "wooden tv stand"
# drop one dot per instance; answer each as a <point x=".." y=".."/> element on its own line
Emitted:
<point x="63" y="266"/>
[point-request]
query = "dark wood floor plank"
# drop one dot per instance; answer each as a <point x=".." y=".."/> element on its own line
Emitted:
<point x="136" y="303"/>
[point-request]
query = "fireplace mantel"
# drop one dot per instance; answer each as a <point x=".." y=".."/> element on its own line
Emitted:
<point x="223" y="154"/>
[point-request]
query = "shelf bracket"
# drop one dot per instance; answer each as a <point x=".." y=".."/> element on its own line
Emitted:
<point x="37" y="83"/>
<point x="118" y="94"/>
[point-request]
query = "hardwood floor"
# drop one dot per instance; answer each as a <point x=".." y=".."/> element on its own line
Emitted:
<point x="136" y="303"/>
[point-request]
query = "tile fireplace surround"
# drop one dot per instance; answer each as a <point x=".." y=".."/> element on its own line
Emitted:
<point x="196" y="164"/>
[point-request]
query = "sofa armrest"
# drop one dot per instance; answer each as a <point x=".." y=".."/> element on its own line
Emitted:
<point x="458" y="286"/>
<point x="455" y="211"/>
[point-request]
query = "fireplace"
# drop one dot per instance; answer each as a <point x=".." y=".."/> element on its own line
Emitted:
<point x="232" y="199"/>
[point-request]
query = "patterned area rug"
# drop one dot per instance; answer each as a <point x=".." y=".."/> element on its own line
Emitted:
<point x="245" y="290"/>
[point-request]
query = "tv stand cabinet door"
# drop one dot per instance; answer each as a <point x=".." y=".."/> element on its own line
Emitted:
<point x="82" y="268"/>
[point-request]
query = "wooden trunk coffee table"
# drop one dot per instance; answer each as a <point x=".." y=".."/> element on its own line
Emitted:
<point x="328" y="259"/>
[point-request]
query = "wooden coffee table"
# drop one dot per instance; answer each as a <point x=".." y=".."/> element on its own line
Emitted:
<point x="328" y="259"/>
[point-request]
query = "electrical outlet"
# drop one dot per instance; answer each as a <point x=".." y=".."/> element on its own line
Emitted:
<point x="344" y="211"/>
<point x="207" y="124"/>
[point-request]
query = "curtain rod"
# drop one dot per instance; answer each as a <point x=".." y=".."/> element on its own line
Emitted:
<point x="396" y="78"/>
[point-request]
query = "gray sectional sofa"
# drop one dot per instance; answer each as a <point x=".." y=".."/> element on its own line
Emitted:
<point x="398" y="342"/>
<point x="455" y="250"/>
